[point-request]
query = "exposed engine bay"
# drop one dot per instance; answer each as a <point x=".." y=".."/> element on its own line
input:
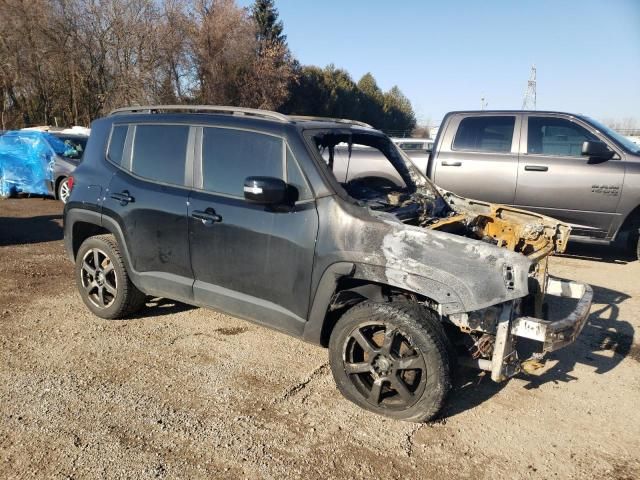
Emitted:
<point x="375" y="173"/>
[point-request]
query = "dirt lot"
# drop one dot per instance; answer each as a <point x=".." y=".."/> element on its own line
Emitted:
<point x="183" y="392"/>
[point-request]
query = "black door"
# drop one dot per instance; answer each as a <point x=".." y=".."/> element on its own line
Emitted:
<point x="249" y="260"/>
<point x="148" y="199"/>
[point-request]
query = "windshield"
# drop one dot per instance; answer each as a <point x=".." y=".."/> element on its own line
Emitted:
<point x="621" y="140"/>
<point x="70" y="146"/>
<point x="372" y="170"/>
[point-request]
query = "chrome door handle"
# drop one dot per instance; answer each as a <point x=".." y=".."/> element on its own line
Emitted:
<point x="451" y="164"/>
<point x="536" y="168"/>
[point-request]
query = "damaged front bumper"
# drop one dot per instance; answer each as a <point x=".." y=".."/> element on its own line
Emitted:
<point x="553" y="334"/>
<point x="559" y="333"/>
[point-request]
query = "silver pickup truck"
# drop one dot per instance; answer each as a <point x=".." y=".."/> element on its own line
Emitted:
<point x="566" y="166"/>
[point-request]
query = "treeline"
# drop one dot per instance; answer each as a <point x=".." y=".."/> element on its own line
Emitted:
<point x="71" y="61"/>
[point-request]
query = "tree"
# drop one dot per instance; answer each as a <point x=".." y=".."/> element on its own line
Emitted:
<point x="66" y="62"/>
<point x="399" y="114"/>
<point x="331" y="92"/>
<point x="269" y="29"/>
<point x="372" y="100"/>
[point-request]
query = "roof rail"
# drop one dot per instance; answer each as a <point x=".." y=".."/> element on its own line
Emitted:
<point x="254" y="112"/>
<point x="204" y="108"/>
<point x="329" y="119"/>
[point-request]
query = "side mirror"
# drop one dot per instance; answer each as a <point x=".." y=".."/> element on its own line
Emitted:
<point x="265" y="190"/>
<point x="598" y="150"/>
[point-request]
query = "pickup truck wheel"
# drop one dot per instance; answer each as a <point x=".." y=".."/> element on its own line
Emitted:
<point x="391" y="359"/>
<point x="102" y="279"/>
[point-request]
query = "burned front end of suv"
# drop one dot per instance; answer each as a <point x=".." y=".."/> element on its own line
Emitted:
<point x="482" y="267"/>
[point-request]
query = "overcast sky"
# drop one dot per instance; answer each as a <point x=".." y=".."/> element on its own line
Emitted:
<point x="446" y="55"/>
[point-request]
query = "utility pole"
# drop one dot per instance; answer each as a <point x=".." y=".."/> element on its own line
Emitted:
<point x="529" y="100"/>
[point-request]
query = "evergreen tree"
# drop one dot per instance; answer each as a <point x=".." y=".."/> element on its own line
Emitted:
<point x="269" y="27"/>
<point x="371" y="101"/>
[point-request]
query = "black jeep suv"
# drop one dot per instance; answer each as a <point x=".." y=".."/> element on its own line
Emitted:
<point x="320" y="228"/>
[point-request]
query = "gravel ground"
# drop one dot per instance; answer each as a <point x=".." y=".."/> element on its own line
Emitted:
<point x="184" y="392"/>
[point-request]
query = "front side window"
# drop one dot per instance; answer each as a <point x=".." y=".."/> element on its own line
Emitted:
<point x="296" y="179"/>
<point x="485" y="134"/>
<point x="160" y="152"/>
<point x="556" y="136"/>
<point x="230" y="156"/>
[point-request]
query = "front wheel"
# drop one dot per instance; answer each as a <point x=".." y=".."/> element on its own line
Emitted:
<point x="391" y="359"/>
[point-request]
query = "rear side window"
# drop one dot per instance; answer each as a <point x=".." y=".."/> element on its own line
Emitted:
<point x="556" y="136"/>
<point x="160" y="152"/>
<point x="485" y="134"/>
<point x="230" y="156"/>
<point x="116" y="144"/>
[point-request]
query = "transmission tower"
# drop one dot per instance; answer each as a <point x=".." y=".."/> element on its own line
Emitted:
<point x="529" y="100"/>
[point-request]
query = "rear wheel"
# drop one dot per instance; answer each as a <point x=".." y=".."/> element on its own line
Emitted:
<point x="63" y="190"/>
<point x="391" y="359"/>
<point x="102" y="279"/>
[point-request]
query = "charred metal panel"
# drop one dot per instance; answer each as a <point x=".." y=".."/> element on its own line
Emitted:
<point x="464" y="273"/>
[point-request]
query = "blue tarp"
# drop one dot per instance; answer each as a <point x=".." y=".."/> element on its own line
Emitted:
<point x="26" y="161"/>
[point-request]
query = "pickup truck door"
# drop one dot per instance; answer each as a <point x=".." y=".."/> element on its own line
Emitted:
<point x="556" y="180"/>
<point x="477" y="156"/>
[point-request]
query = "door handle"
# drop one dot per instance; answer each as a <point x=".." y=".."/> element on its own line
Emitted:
<point x="123" y="197"/>
<point x="207" y="217"/>
<point x="451" y="164"/>
<point x="536" y="168"/>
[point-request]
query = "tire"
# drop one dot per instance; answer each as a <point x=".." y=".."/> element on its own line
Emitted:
<point x="633" y="244"/>
<point x="106" y="290"/>
<point x="392" y="359"/>
<point x="63" y="192"/>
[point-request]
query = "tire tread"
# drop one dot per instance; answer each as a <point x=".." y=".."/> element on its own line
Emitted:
<point x="409" y="317"/>
<point x="132" y="298"/>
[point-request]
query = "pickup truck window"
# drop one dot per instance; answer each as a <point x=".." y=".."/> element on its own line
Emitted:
<point x="485" y="134"/>
<point x="556" y="136"/>
<point x="230" y="156"/>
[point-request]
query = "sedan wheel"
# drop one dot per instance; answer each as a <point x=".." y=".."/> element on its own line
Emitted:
<point x="64" y="191"/>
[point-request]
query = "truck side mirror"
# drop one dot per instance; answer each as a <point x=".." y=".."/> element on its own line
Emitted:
<point x="265" y="190"/>
<point x="597" y="150"/>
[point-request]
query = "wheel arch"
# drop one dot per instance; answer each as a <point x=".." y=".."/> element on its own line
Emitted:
<point x="81" y="224"/>
<point x="632" y="221"/>
<point x="345" y="284"/>
<point x="629" y="229"/>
